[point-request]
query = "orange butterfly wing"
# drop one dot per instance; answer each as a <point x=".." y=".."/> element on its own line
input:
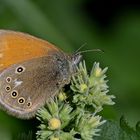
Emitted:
<point x="16" y="47"/>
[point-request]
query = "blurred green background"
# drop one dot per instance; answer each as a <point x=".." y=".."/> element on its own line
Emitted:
<point x="113" y="26"/>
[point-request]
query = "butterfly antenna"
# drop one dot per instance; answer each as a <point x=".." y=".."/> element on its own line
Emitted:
<point x="92" y="50"/>
<point x="83" y="45"/>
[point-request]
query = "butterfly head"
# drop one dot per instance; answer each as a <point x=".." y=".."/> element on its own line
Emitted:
<point x="74" y="60"/>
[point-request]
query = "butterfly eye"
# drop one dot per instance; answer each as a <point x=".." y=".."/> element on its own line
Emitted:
<point x="14" y="94"/>
<point x="19" y="69"/>
<point x="8" y="79"/>
<point x="29" y="104"/>
<point x="7" y="88"/>
<point x="21" y="100"/>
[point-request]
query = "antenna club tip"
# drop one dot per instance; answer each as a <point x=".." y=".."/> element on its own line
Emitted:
<point x="102" y="51"/>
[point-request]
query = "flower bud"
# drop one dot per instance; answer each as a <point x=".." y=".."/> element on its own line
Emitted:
<point x="62" y="96"/>
<point x="54" y="138"/>
<point x="83" y="87"/>
<point x="54" y="123"/>
<point x="98" y="72"/>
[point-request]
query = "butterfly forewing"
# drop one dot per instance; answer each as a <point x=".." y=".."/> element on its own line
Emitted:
<point x="16" y="47"/>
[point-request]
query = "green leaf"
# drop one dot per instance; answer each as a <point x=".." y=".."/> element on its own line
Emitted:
<point x="113" y="131"/>
<point x="132" y="134"/>
<point x="138" y="128"/>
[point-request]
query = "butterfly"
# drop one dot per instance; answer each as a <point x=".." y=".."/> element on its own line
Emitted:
<point x="32" y="71"/>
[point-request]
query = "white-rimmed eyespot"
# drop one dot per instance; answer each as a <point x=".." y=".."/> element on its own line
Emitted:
<point x="14" y="94"/>
<point x="21" y="100"/>
<point x="8" y="88"/>
<point x="20" y="69"/>
<point x="8" y="79"/>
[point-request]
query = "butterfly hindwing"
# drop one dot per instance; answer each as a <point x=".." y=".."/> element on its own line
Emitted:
<point x="24" y="87"/>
